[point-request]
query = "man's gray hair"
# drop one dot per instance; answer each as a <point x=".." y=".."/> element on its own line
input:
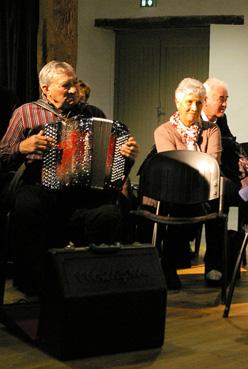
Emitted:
<point x="190" y="86"/>
<point x="212" y="83"/>
<point x="52" y="68"/>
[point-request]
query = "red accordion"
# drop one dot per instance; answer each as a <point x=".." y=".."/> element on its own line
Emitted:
<point x="86" y="153"/>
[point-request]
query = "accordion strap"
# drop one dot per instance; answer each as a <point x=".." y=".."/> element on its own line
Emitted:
<point x="47" y="106"/>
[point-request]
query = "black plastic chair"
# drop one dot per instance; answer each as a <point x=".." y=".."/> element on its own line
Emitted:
<point x="185" y="177"/>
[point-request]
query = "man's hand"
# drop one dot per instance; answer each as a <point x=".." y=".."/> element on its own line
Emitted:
<point x="35" y="143"/>
<point x="130" y="149"/>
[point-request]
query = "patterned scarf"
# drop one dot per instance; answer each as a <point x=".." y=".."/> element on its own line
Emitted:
<point x="190" y="134"/>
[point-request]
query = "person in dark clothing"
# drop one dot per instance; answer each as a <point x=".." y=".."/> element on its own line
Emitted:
<point x="9" y="102"/>
<point x="84" y="91"/>
<point x="213" y="110"/>
<point x="223" y="126"/>
<point x="41" y="218"/>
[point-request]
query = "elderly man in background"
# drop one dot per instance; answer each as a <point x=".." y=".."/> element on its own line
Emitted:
<point x="213" y="110"/>
<point x="234" y="164"/>
<point x="215" y="105"/>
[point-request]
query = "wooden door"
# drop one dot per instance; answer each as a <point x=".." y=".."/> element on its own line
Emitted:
<point x="149" y="66"/>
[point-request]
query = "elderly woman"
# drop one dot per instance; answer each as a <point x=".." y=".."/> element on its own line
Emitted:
<point x="186" y="131"/>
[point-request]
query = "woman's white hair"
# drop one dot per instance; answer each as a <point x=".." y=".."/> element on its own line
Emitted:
<point x="49" y="70"/>
<point x="190" y="86"/>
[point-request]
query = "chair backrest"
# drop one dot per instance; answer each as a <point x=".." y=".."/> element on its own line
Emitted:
<point x="182" y="177"/>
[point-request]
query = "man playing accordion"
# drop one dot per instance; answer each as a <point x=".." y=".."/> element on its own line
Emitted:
<point x="44" y="218"/>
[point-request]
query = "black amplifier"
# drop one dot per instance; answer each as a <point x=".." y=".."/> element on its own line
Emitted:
<point x="102" y="300"/>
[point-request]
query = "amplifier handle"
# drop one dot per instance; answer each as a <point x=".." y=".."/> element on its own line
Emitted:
<point x="104" y="248"/>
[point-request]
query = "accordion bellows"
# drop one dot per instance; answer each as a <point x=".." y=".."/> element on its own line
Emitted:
<point x="86" y="152"/>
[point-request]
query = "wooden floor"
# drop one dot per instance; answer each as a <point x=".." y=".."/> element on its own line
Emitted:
<point x="196" y="334"/>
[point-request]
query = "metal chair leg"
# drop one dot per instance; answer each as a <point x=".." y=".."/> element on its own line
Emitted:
<point x="198" y="240"/>
<point x="224" y="256"/>
<point x="234" y="276"/>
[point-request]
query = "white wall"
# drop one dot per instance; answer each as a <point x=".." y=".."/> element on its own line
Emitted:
<point x="228" y="61"/>
<point x="228" y="49"/>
